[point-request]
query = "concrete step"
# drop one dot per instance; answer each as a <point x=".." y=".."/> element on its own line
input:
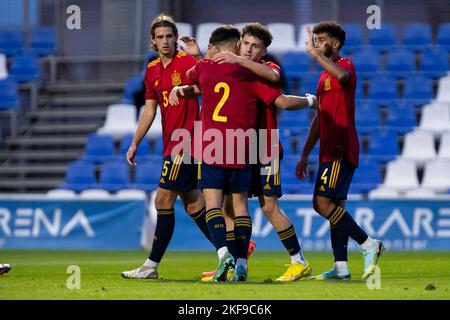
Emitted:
<point x="71" y="113"/>
<point x="48" y="128"/>
<point x="40" y="155"/>
<point x="33" y="169"/>
<point x="84" y="87"/>
<point x="80" y="100"/>
<point x="76" y="141"/>
<point x="42" y="184"/>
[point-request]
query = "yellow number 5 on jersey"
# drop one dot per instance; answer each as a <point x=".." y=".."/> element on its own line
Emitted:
<point x="226" y="94"/>
<point x="165" y="99"/>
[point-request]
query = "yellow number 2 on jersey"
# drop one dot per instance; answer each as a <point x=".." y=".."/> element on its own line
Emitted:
<point x="226" y="94"/>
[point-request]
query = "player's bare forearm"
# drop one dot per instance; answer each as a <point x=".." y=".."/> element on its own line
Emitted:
<point x="261" y="70"/>
<point x="145" y="122"/>
<point x="313" y="137"/>
<point x="288" y="102"/>
<point x="336" y="71"/>
<point x="183" y="92"/>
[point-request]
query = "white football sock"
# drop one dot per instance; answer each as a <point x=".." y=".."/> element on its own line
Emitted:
<point x="368" y="244"/>
<point x="298" y="258"/>
<point x="341" y="267"/>
<point x="221" y="252"/>
<point x="150" y="263"/>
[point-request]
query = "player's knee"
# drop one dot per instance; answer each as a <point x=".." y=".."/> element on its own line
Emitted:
<point x="162" y="202"/>
<point x="269" y="209"/>
<point x="321" y="206"/>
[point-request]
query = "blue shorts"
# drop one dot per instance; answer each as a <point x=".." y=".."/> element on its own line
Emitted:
<point x="229" y="180"/>
<point x="334" y="178"/>
<point x="266" y="180"/>
<point x="177" y="175"/>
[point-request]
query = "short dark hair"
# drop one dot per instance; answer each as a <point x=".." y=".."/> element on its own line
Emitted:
<point x="259" y="31"/>
<point x="163" y="20"/>
<point x="333" y="29"/>
<point x="225" y="33"/>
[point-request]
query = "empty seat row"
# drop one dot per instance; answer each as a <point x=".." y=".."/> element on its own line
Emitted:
<point x="114" y="176"/>
<point x="101" y="148"/>
<point x="416" y="36"/>
<point x="42" y="41"/>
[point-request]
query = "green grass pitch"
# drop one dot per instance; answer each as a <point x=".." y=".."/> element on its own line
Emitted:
<point x="43" y="275"/>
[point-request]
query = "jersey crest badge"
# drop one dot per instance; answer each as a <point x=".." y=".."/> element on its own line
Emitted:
<point x="176" y="79"/>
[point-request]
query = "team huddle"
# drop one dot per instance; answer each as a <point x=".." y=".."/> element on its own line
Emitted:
<point x="214" y="178"/>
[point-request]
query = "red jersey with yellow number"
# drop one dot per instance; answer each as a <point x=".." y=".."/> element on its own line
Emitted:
<point x="159" y="81"/>
<point x="337" y="129"/>
<point x="267" y="118"/>
<point x="230" y="96"/>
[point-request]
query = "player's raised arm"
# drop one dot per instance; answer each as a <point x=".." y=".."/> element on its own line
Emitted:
<point x="289" y="102"/>
<point x="327" y="62"/>
<point x="145" y="122"/>
<point x="257" y="68"/>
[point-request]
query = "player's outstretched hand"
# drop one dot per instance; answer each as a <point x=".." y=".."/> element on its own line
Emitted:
<point x="226" y="57"/>
<point x="310" y="48"/>
<point x="191" y="46"/>
<point x="131" y="154"/>
<point x="300" y="170"/>
<point x="173" y="96"/>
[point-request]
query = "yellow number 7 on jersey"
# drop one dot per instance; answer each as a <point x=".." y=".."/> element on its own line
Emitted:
<point x="226" y="94"/>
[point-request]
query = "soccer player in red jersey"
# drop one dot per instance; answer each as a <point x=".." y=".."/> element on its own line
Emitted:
<point x="230" y="96"/>
<point x="178" y="177"/>
<point x="334" y="126"/>
<point x="267" y="183"/>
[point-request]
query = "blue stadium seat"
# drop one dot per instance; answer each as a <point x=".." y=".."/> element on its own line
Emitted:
<point x="417" y="36"/>
<point x="400" y="63"/>
<point x="418" y="90"/>
<point x="360" y="90"/>
<point x="443" y="36"/>
<point x="79" y="176"/>
<point x="289" y="119"/>
<point x="143" y="149"/>
<point x="367" y="118"/>
<point x="11" y="41"/>
<point x="434" y="62"/>
<point x="134" y="84"/>
<point x="25" y="67"/>
<point x="288" y="145"/>
<point x="308" y="84"/>
<point x="383" y="146"/>
<point x="383" y="88"/>
<point x="367" y="177"/>
<point x="383" y="39"/>
<point x="99" y="148"/>
<point x="157" y="146"/>
<point x="43" y="41"/>
<point x="401" y="118"/>
<point x="354" y="37"/>
<point x="367" y="62"/>
<point x="147" y="174"/>
<point x="296" y="62"/>
<point x="114" y="176"/>
<point x="9" y="94"/>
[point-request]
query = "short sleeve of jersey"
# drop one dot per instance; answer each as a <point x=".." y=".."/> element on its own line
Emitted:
<point x="273" y="66"/>
<point x="192" y="75"/>
<point x="150" y="93"/>
<point x="348" y="66"/>
<point x="267" y="93"/>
